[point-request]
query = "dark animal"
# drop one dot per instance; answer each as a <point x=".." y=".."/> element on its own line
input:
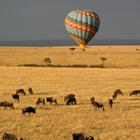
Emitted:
<point x="9" y="136"/>
<point x="16" y="97"/>
<point x="40" y="101"/>
<point x="51" y="100"/>
<point x="28" y="110"/>
<point x="110" y="102"/>
<point x="30" y="90"/>
<point x="7" y="104"/>
<point x="81" y="136"/>
<point x="135" y="92"/>
<point x="70" y="99"/>
<point x="96" y="104"/>
<point x="116" y="93"/>
<point x="20" y="91"/>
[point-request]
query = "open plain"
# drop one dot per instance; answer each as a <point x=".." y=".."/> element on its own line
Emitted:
<point x="58" y="122"/>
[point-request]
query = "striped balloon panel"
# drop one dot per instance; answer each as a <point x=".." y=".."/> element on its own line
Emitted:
<point x="82" y="25"/>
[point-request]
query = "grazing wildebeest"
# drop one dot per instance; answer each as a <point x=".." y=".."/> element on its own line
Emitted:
<point x="7" y="104"/>
<point x="30" y="90"/>
<point x="135" y="92"/>
<point x="18" y="91"/>
<point x="110" y="102"/>
<point x="70" y="99"/>
<point x="51" y="100"/>
<point x="28" y="110"/>
<point x="81" y="136"/>
<point x="9" y="136"/>
<point x="16" y="97"/>
<point x="40" y="101"/>
<point x="97" y="105"/>
<point x="116" y="93"/>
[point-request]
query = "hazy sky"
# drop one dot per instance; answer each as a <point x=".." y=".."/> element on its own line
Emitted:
<point x="44" y="19"/>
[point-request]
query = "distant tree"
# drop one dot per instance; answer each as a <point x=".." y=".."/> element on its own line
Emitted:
<point x="103" y="59"/>
<point x="47" y="60"/>
<point x="72" y="50"/>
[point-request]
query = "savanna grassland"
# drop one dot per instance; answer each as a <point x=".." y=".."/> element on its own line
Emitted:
<point x="53" y="122"/>
<point x="117" y="57"/>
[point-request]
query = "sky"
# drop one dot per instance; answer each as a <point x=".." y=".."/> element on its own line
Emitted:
<point x="44" y="19"/>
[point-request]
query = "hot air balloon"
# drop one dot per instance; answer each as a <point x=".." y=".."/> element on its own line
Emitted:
<point x="82" y="25"/>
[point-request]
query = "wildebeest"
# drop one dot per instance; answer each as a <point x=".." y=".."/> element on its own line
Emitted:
<point x="20" y="91"/>
<point x="9" y="136"/>
<point x="96" y="104"/>
<point x="40" y="101"/>
<point x="70" y="99"/>
<point x="81" y="136"/>
<point x="135" y="92"/>
<point x="7" y="104"/>
<point x="116" y="93"/>
<point x="110" y="102"/>
<point x="30" y="90"/>
<point x="16" y="97"/>
<point x="28" y="110"/>
<point x="51" y="100"/>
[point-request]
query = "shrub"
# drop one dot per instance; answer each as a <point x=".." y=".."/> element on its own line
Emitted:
<point x="47" y="60"/>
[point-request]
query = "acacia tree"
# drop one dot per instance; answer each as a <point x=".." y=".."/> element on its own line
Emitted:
<point x="72" y="50"/>
<point x="103" y="59"/>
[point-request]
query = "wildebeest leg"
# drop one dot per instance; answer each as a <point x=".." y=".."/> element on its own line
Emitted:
<point x="103" y="108"/>
<point x="110" y="105"/>
<point x="12" y="106"/>
<point x="67" y="102"/>
<point x="95" y="108"/>
<point x="55" y="101"/>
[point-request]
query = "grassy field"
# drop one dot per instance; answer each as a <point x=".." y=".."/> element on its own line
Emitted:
<point x="122" y="122"/>
<point x="117" y="57"/>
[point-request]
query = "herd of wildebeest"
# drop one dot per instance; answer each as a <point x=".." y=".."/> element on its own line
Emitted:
<point x="70" y="99"/>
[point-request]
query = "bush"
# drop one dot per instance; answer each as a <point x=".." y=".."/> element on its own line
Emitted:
<point x="47" y="60"/>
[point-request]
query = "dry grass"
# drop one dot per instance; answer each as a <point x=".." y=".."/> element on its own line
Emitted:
<point x="117" y="57"/>
<point x="122" y="122"/>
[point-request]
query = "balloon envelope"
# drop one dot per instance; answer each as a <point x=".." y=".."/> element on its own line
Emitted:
<point x="82" y="25"/>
